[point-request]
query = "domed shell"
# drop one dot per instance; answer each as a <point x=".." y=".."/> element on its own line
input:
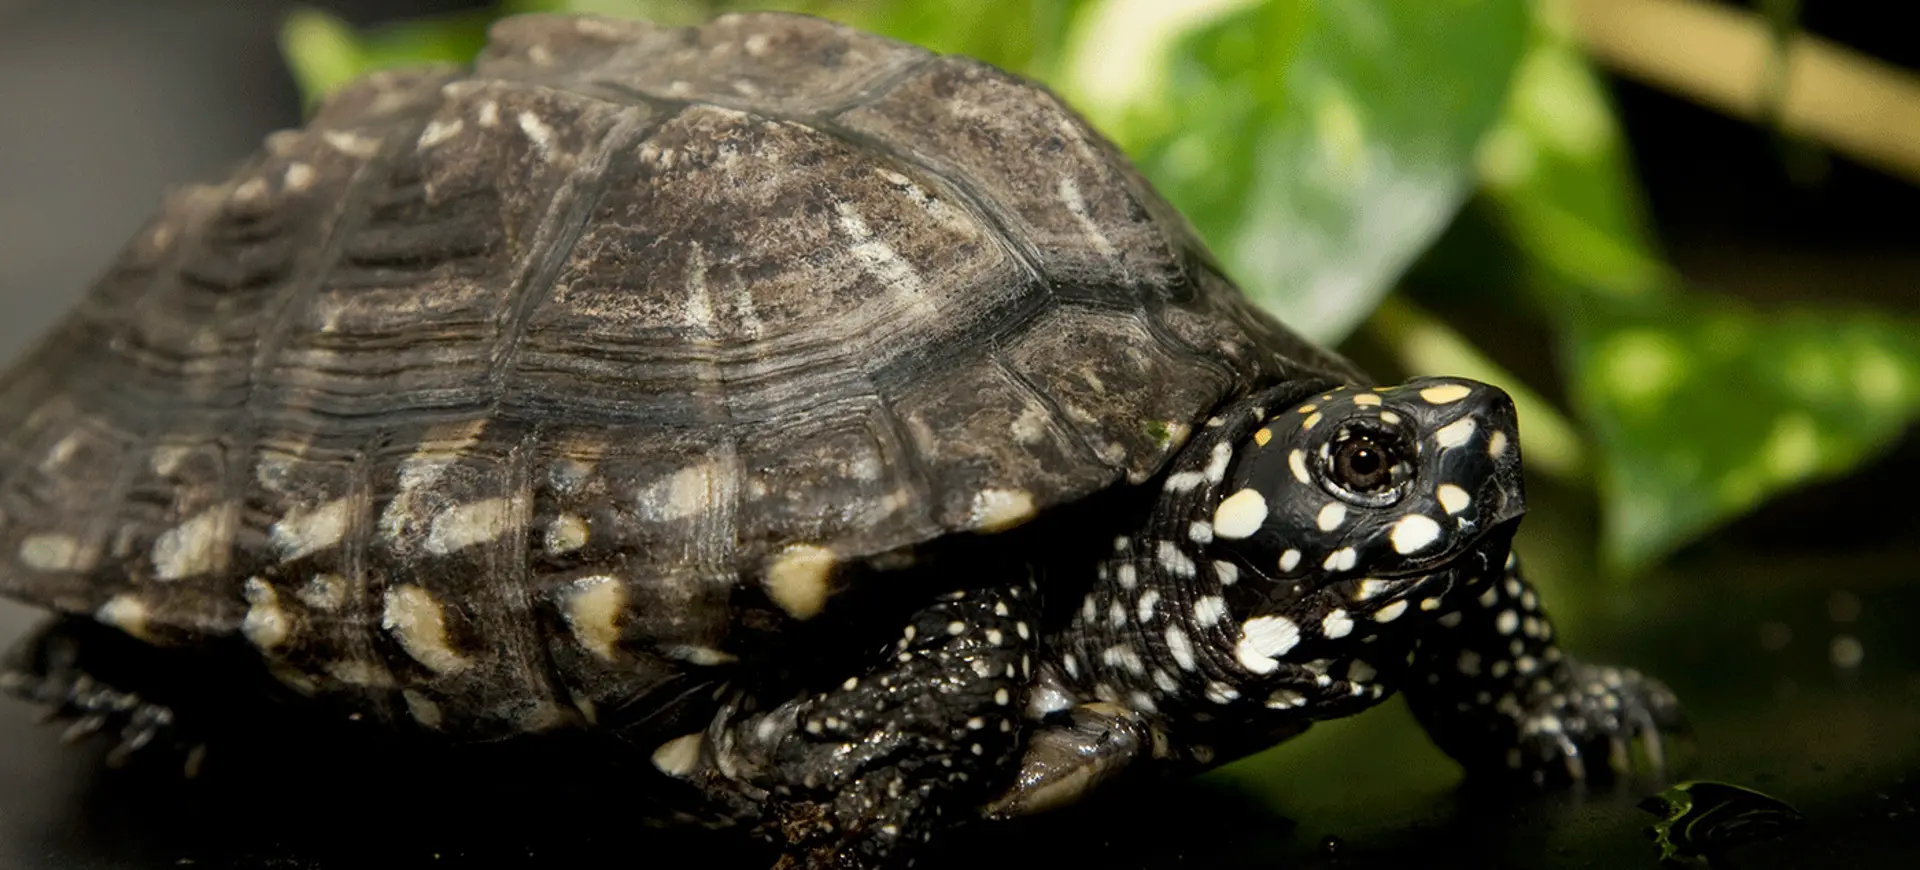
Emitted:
<point x="588" y="336"/>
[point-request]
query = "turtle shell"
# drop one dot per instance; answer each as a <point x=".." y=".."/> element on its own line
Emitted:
<point x="532" y="367"/>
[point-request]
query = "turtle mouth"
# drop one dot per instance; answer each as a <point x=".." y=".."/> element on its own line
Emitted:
<point x="1483" y="553"/>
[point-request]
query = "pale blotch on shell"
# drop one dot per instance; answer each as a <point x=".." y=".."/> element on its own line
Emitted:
<point x="194" y="547"/>
<point x="266" y="624"/>
<point x="421" y="708"/>
<point x="593" y="613"/>
<point x="996" y="510"/>
<point x="470" y="524"/>
<point x="50" y="552"/>
<point x="324" y="592"/>
<point x="418" y="623"/>
<point x="125" y="612"/>
<point x="797" y="579"/>
<point x="567" y="533"/>
<point x="679" y="756"/>
<point x="302" y="532"/>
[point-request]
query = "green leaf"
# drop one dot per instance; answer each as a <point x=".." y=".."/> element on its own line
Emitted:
<point x="1556" y="167"/>
<point x="1318" y="146"/>
<point x="322" y="52"/>
<point x="1703" y="408"/>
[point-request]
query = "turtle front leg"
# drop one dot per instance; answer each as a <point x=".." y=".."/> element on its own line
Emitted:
<point x="862" y="773"/>
<point x="83" y="673"/>
<point x="1497" y="693"/>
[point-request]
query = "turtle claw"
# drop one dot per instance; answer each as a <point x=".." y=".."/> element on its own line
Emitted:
<point x="1594" y="712"/>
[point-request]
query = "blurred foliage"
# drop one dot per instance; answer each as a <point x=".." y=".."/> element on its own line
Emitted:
<point x="1321" y="146"/>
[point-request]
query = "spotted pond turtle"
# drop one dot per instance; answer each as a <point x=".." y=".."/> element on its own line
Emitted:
<point x="846" y="430"/>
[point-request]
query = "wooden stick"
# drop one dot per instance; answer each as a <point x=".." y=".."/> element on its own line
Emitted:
<point x="1722" y="57"/>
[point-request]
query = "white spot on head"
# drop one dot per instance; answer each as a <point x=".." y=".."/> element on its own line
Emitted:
<point x="1332" y="516"/>
<point x="1496" y="444"/>
<point x="1507" y="622"/>
<point x="797" y="579"/>
<point x="1289" y="559"/>
<point x="1228" y="572"/>
<point x="1390" y="612"/>
<point x="1455" y="433"/>
<point x="1240" y="515"/>
<point x="1413" y="533"/>
<point x="593" y="609"/>
<point x="1367" y="400"/>
<point x="679" y="756"/>
<point x="50" y="552"/>
<point x="1336" y="625"/>
<point x="1445" y="394"/>
<point x="1264" y="639"/>
<point x="417" y="621"/>
<point x="302" y="533"/>
<point x="1297" y="462"/>
<point x="1453" y="498"/>
<point x="1342" y="559"/>
<point x="1369" y="588"/>
<point x="997" y="510"/>
<point x="1450" y="620"/>
<point x="195" y="546"/>
<point x="266" y="625"/>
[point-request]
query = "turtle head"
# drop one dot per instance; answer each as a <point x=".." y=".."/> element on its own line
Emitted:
<point x="1390" y="483"/>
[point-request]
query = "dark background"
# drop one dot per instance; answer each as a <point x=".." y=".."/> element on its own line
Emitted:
<point x="103" y="104"/>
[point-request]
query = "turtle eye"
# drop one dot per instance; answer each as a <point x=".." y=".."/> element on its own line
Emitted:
<point x="1367" y="465"/>
<point x="1363" y="465"/>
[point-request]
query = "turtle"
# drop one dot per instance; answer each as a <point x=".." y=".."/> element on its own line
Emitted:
<point x="846" y="431"/>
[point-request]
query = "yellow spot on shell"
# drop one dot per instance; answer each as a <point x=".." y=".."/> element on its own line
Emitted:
<point x="417" y="621"/>
<point x="679" y="756"/>
<point x="797" y="579"/>
<point x="266" y="625"/>
<point x="125" y="612"/>
<point x="49" y="552"/>
<point x="997" y="510"/>
<point x="593" y="612"/>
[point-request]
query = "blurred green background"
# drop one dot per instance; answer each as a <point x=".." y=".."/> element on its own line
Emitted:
<point x="1681" y="232"/>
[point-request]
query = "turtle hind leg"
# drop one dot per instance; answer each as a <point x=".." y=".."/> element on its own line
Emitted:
<point x="93" y="678"/>
<point x="861" y="771"/>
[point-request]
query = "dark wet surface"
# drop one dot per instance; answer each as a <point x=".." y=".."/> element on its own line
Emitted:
<point x="107" y="104"/>
<point x="1751" y="652"/>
